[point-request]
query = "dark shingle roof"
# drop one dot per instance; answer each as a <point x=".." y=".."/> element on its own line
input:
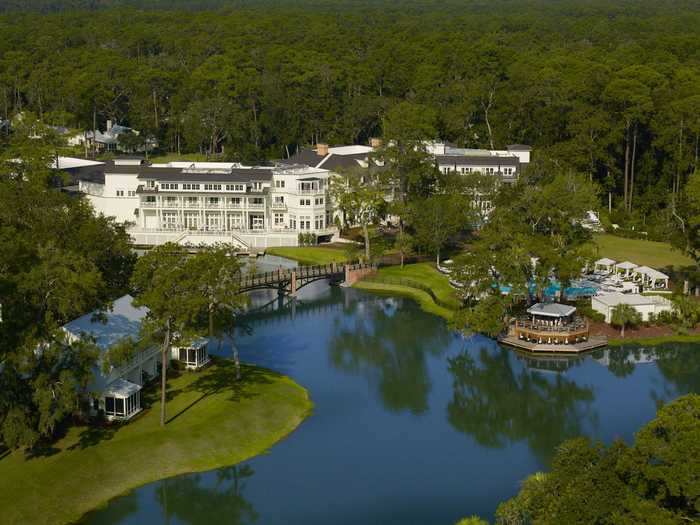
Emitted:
<point x="477" y="160"/>
<point x="306" y="156"/>
<point x="179" y="175"/>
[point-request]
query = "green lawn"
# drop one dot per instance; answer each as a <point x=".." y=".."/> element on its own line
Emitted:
<point x="424" y="273"/>
<point x="214" y="421"/>
<point x="648" y="253"/>
<point x="174" y="157"/>
<point x="310" y="255"/>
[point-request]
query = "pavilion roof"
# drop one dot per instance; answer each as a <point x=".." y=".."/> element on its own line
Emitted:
<point x="627" y="265"/>
<point x="605" y="262"/>
<point x="551" y="309"/>
<point x="651" y="272"/>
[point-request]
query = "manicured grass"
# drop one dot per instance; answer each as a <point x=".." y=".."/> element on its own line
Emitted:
<point x="423" y="273"/>
<point x="426" y="274"/>
<point x="654" y="341"/>
<point x="648" y="253"/>
<point x="214" y="421"/>
<point x="310" y="255"/>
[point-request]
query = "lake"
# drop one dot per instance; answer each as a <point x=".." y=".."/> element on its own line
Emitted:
<point x="413" y="423"/>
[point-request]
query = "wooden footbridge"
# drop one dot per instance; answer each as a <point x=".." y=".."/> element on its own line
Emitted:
<point x="287" y="281"/>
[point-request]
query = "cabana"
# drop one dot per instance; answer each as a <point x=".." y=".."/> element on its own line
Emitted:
<point x="625" y="268"/>
<point x="651" y="277"/>
<point x="605" y="265"/>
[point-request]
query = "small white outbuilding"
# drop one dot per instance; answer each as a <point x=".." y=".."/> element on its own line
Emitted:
<point x="625" y="268"/>
<point x="644" y="304"/>
<point x="650" y="277"/>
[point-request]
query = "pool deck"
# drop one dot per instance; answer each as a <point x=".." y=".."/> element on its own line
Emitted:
<point x="593" y="342"/>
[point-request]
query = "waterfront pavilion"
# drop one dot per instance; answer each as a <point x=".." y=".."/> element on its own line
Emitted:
<point x="551" y="323"/>
<point x="605" y="265"/>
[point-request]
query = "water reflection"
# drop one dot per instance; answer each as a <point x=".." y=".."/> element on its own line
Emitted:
<point x="191" y="499"/>
<point x="499" y="404"/>
<point x="381" y="345"/>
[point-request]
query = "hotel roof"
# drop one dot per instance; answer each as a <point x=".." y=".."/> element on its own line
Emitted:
<point x="551" y="309"/>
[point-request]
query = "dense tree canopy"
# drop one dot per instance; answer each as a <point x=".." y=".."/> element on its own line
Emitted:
<point x="610" y="90"/>
<point x="652" y="481"/>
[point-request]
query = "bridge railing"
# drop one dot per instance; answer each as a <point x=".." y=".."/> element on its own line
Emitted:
<point x="301" y="272"/>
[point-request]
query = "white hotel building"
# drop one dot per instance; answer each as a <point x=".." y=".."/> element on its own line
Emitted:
<point x="206" y="202"/>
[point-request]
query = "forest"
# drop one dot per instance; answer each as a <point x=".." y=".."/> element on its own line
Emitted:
<point x="610" y="91"/>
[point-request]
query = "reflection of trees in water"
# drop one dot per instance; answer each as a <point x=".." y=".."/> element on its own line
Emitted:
<point x="498" y="405"/>
<point x="190" y="501"/>
<point x="680" y="366"/>
<point x="387" y="342"/>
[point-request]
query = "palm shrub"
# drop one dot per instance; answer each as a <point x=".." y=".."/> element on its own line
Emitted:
<point x="625" y="315"/>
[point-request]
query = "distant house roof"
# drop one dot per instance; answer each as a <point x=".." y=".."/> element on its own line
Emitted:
<point x="551" y="309"/>
<point x="123" y="320"/>
<point x="519" y="147"/>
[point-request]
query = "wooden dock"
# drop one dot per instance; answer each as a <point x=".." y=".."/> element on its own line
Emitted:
<point x="595" y="341"/>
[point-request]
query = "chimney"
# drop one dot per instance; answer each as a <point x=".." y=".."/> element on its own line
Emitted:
<point x="109" y="125"/>
<point x="322" y="149"/>
<point x="375" y="142"/>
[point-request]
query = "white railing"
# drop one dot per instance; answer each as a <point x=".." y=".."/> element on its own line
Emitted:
<point x="256" y="205"/>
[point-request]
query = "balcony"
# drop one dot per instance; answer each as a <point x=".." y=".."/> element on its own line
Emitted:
<point x="234" y="205"/>
<point x="213" y="205"/>
<point x="279" y="206"/>
<point x="171" y="204"/>
<point x="256" y="205"/>
<point x="144" y="204"/>
<point x="311" y="192"/>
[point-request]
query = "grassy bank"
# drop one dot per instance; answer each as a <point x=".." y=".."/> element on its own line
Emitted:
<point x="214" y="421"/>
<point x="641" y="252"/>
<point x="310" y="255"/>
<point x="653" y="341"/>
<point x="422" y="273"/>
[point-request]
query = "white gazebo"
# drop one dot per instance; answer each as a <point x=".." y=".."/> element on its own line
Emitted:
<point x="651" y="277"/>
<point x="625" y="268"/>
<point x="605" y="265"/>
<point x="194" y="355"/>
<point x="122" y="400"/>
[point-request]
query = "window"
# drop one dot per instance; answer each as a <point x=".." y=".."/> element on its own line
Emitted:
<point x="279" y="219"/>
<point x="190" y="186"/>
<point x="212" y="187"/>
<point x="279" y="184"/>
<point x="304" y="223"/>
<point x="318" y="201"/>
<point x="120" y="193"/>
<point x="257" y="186"/>
<point x="279" y="199"/>
<point x="235" y="187"/>
<point x="235" y="202"/>
<point x="318" y="222"/>
<point x="151" y="199"/>
<point x="490" y="171"/>
<point x="169" y="186"/>
<point x="304" y="202"/>
<point x="132" y="193"/>
<point x="170" y="220"/>
<point x="150" y="184"/>
<point x="192" y="202"/>
<point x="293" y="222"/>
<point x="171" y="201"/>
